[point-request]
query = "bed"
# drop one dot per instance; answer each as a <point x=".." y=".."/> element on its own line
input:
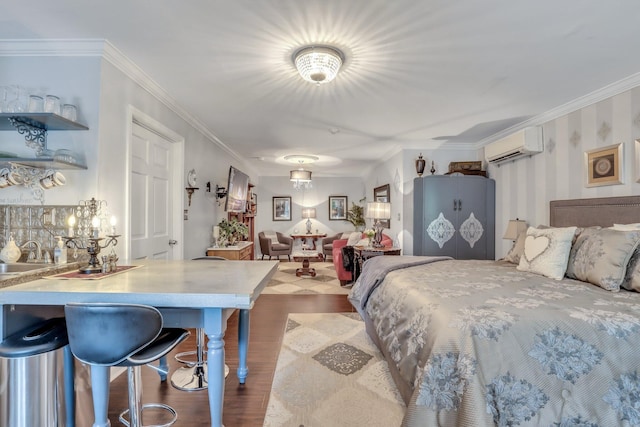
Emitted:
<point x="482" y="343"/>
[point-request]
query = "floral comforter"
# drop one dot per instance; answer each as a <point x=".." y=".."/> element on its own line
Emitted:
<point x="475" y="343"/>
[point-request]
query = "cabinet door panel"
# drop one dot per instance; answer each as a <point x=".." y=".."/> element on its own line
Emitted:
<point x="439" y="216"/>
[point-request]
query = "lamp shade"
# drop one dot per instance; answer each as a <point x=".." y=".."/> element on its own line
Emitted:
<point x="300" y="175"/>
<point x="514" y="228"/>
<point x="379" y="210"/>
<point x="308" y="212"/>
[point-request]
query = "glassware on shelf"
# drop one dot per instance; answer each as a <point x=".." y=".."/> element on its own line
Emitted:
<point x="36" y="104"/>
<point x="52" y="104"/>
<point x="70" y="112"/>
<point x="65" y="156"/>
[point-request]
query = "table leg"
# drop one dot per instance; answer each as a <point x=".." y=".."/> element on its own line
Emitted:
<point x="243" y="344"/>
<point x="214" y="328"/>
<point x="100" y="394"/>
<point x="69" y="388"/>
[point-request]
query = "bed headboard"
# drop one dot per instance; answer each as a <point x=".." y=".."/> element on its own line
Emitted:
<point x="604" y="211"/>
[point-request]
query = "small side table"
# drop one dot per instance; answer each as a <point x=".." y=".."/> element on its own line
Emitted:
<point x="362" y="253"/>
<point x="305" y="255"/>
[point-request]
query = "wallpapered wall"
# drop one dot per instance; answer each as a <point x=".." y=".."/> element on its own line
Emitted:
<point x="524" y="187"/>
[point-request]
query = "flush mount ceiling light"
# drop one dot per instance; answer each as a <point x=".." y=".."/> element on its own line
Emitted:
<point x="300" y="158"/>
<point x="318" y="64"/>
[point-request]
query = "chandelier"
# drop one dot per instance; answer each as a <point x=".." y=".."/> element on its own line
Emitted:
<point x="301" y="179"/>
<point x="318" y="64"/>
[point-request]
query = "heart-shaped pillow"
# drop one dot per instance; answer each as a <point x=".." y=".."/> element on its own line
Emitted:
<point x="535" y="246"/>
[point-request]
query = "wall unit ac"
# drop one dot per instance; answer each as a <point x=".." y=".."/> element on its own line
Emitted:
<point x="525" y="142"/>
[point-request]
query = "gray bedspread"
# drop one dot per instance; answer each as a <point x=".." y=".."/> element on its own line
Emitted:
<point x="478" y="343"/>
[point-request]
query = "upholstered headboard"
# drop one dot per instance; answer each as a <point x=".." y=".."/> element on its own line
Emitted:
<point x="604" y="211"/>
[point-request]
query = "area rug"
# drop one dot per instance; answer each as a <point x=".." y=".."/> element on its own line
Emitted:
<point x="285" y="281"/>
<point x="329" y="373"/>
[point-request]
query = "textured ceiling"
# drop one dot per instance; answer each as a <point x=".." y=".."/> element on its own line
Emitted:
<point x="418" y="74"/>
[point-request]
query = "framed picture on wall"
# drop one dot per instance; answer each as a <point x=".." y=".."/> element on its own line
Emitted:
<point x="604" y="165"/>
<point x="338" y="207"/>
<point x="282" y="208"/>
<point x="383" y="194"/>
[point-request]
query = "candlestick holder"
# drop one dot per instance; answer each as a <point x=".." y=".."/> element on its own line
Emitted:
<point x="93" y="249"/>
<point x="90" y="219"/>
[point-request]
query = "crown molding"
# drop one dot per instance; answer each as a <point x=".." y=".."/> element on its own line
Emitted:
<point x="103" y="48"/>
<point x="598" y="95"/>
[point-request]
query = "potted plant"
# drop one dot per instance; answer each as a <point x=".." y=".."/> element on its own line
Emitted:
<point x="231" y="232"/>
<point x="355" y="215"/>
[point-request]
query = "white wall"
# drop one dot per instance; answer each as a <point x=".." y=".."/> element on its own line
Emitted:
<point x="525" y="187"/>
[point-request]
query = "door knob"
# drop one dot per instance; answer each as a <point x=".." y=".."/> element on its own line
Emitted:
<point x="172" y="242"/>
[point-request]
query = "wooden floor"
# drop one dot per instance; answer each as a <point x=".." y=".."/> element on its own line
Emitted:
<point x="244" y="406"/>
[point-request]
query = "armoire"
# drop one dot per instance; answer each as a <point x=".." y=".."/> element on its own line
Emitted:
<point x="454" y="215"/>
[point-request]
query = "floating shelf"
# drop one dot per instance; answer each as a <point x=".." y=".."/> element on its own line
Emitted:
<point x="41" y="163"/>
<point x="46" y="121"/>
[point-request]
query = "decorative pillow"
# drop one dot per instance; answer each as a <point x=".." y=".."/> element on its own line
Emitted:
<point x="626" y="227"/>
<point x="271" y="235"/>
<point x="345" y="236"/>
<point x="546" y="251"/>
<point x="601" y="257"/>
<point x="354" y="238"/>
<point x="362" y="242"/>
<point x="631" y="281"/>
<point x="517" y="249"/>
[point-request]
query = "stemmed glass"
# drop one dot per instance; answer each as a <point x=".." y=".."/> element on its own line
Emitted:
<point x="15" y="103"/>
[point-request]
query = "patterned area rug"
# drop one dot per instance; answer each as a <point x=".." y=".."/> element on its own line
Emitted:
<point x="329" y="373"/>
<point x="285" y="281"/>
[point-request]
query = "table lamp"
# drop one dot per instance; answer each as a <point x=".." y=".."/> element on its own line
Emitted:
<point x="514" y="228"/>
<point x="308" y="213"/>
<point x="378" y="211"/>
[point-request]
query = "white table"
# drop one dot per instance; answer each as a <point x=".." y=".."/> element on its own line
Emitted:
<point x="189" y="294"/>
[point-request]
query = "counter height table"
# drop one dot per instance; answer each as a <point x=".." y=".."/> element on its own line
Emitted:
<point x="191" y="294"/>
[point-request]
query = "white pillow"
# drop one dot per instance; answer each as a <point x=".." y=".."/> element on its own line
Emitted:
<point x="271" y="235"/>
<point x="626" y="227"/>
<point x="345" y="236"/>
<point x="546" y="251"/>
<point x="354" y="238"/>
<point x="363" y="242"/>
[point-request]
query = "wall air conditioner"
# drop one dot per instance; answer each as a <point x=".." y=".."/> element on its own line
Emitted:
<point x="525" y="142"/>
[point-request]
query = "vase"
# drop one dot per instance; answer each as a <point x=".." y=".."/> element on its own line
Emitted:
<point x="420" y="164"/>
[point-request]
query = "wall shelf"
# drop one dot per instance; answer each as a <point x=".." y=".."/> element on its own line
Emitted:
<point x="46" y="121"/>
<point x="40" y="163"/>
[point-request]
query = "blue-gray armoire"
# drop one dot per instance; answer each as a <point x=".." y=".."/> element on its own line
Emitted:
<point x="454" y="215"/>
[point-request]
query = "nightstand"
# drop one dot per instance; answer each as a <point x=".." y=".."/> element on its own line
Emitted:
<point x="362" y="253"/>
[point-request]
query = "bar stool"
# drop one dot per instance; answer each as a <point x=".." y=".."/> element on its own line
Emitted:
<point x="128" y="335"/>
<point x="193" y="376"/>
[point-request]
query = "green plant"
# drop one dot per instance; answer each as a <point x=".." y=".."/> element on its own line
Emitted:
<point x="355" y="215"/>
<point x="231" y="232"/>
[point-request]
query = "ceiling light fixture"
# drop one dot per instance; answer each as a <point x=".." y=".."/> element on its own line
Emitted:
<point x="318" y="64"/>
<point x="301" y="179"/>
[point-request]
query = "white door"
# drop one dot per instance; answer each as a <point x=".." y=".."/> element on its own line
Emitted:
<point x="150" y="180"/>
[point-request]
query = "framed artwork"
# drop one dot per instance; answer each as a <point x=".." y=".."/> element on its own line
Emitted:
<point x="383" y="194"/>
<point x="604" y="166"/>
<point x="338" y="207"/>
<point x="282" y="208"/>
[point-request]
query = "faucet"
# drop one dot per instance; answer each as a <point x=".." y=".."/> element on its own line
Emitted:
<point x="38" y="254"/>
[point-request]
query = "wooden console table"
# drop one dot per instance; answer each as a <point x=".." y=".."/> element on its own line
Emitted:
<point x="312" y="236"/>
<point x="243" y="251"/>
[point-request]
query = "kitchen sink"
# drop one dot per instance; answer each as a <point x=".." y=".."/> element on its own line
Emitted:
<point x="20" y="267"/>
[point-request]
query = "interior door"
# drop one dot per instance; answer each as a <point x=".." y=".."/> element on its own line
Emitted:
<point x="151" y="215"/>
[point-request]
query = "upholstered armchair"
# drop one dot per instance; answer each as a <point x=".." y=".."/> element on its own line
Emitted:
<point x="275" y="244"/>
<point x="327" y="245"/>
<point x="344" y="275"/>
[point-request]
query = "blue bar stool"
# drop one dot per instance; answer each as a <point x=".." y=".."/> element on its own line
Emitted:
<point x="128" y="335"/>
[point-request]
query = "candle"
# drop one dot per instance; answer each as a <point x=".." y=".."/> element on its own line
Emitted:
<point x="72" y="222"/>
<point x="95" y="226"/>
<point x="113" y="225"/>
<point x="216" y="231"/>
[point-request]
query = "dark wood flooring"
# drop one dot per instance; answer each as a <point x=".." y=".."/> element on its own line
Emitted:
<point x="244" y="406"/>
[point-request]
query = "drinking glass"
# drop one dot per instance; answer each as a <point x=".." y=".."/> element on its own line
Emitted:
<point x="36" y="104"/>
<point x="52" y="104"/>
<point x="69" y="111"/>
